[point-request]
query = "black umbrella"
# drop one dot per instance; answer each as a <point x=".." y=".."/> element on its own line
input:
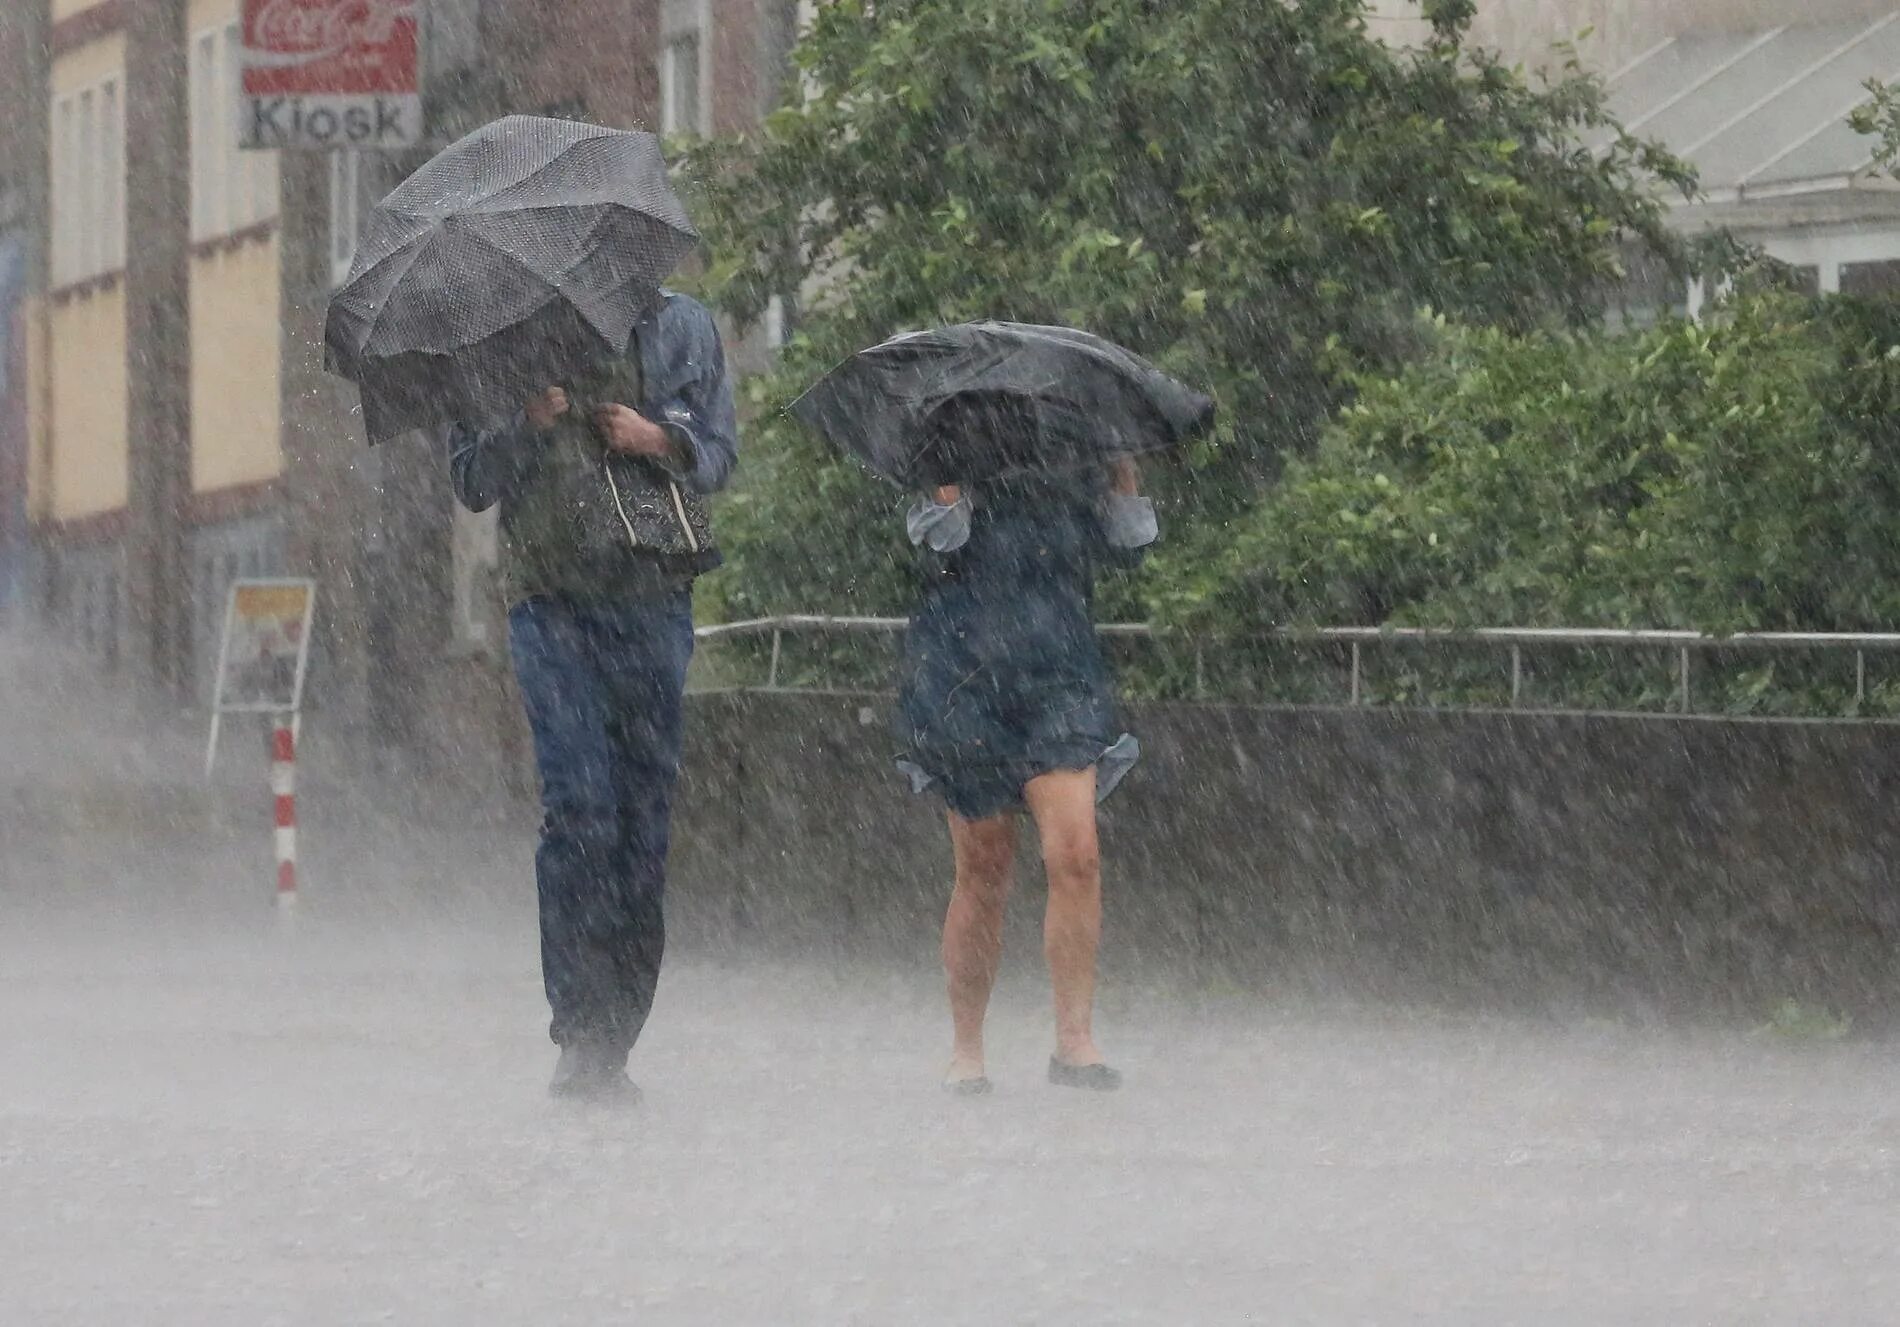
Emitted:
<point x="517" y="256"/>
<point x="981" y="400"/>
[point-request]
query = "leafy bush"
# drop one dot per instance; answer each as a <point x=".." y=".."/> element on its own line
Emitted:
<point x="1257" y="195"/>
<point x="1735" y="474"/>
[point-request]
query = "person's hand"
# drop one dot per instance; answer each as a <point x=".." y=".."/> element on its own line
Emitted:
<point x="544" y="408"/>
<point x="631" y="433"/>
<point x="948" y="495"/>
<point x="1123" y="477"/>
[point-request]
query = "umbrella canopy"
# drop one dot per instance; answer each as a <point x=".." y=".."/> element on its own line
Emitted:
<point x="519" y="254"/>
<point x="981" y="400"/>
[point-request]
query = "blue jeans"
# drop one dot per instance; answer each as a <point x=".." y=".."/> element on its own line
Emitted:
<point x="603" y="687"/>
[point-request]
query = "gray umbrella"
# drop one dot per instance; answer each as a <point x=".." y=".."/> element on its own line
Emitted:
<point x="517" y="256"/>
<point x="981" y="400"/>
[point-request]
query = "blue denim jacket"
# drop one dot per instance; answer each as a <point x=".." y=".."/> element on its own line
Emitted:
<point x="684" y="390"/>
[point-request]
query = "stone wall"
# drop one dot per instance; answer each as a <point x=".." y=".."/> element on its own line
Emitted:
<point x="1522" y="860"/>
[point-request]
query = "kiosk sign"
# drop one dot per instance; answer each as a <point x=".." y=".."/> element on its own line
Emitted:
<point x="331" y="74"/>
<point x="266" y="647"/>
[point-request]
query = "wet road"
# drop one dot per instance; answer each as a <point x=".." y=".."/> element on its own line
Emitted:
<point x="201" y="1126"/>
<point x="206" y="1119"/>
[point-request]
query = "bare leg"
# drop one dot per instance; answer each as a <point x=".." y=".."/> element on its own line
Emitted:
<point x="973" y="931"/>
<point x="1063" y="803"/>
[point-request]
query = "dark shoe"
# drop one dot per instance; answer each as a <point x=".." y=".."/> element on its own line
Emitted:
<point x="1089" y="1077"/>
<point x="593" y="1074"/>
<point x="967" y="1087"/>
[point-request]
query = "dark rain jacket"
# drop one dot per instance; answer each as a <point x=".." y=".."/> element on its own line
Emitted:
<point x="582" y="523"/>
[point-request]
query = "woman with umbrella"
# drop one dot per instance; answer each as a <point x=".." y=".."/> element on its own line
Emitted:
<point x="1022" y="440"/>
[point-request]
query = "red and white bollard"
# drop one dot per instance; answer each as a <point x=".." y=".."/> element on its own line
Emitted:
<point x="283" y="786"/>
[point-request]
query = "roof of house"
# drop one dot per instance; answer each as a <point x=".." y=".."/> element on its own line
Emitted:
<point x="1762" y="114"/>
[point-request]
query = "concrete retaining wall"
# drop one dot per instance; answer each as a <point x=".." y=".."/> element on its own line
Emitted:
<point x="1626" y="864"/>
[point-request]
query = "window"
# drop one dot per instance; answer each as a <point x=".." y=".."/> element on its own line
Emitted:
<point x="112" y="177"/>
<point x="65" y="167"/>
<point x="239" y="172"/>
<point x="1870" y="280"/>
<point x="88" y="183"/>
<point x="1651" y="289"/>
<point x="86" y="195"/>
<point x="231" y="189"/>
<point x="206" y="193"/>
<point x="346" y="196"/>
<point x="679" y="85"/>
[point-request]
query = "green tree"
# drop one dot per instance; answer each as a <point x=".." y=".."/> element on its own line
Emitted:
<point x="1257" y="195"/>
<point x="1879" y="116"/>
<point x="1741" y="473"/>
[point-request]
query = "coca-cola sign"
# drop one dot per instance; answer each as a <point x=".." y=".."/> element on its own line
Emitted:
<point x="331" y="74"/>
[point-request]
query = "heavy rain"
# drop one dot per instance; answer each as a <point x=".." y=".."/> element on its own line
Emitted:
<point x="949" y="661"/>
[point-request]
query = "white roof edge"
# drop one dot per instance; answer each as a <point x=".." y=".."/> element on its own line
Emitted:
<point x="1787" y="85"/>
<point x="1858" y="182"/>
<point x="1633" y="65"/>
<point x="1696" y="85"/>
<point x="1826" y="184"/>
<point x="1786" y="189"/>
<point x="1815" y="133"/>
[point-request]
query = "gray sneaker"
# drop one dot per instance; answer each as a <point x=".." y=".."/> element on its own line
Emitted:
<point x="593" y="1074"/>
<point x="1088" y="1077"/>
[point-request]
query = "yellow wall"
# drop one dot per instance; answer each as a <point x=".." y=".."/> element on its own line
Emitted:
<point x="78" y="375"/>
<point x="88" y="472"/>
<point x="235" y="346"/>
<point x="39" y="486"/>
<point x="235" y="354"/>
<point x="206" y="13"/>
<point x="85" y="65"/>
<point x="65" y="9"/>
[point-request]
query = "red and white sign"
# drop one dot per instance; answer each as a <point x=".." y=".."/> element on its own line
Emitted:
<point x="331" y="74"/>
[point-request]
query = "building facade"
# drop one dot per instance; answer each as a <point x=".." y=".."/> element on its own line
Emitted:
<point x="165" y="423"/>
<point x="1755" y="96"/>
<point x="174" y="428"/>
<point x="1620" y="31"/>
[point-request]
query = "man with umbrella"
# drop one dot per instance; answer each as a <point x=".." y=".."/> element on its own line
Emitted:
<point x="512" y="291"/>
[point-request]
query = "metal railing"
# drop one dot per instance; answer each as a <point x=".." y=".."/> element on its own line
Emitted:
<point x="1685" y="644"/>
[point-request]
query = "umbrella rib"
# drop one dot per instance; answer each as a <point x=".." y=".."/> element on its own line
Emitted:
<point x="552" y="283"/>
<point x="605" y="202"/>
<point x="376" y="322"/>
<point x="410" y="249"/>
<point x="413" y="247"/>
<point x="587" y="246"/>
<point x="528" y="179"/>
<point x="420" y="178"/>
<point x="555" y="160"/>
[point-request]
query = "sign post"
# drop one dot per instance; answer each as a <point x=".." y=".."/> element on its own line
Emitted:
<point x="262" y="662"/>
<point x="328" y="74"/>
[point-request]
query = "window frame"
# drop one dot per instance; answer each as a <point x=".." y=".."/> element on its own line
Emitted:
<point x="112" y="190"/>
<point x="691" y="36"/>
<point x="233" y="189"/>
<point x="346" y="204"/>
<point x="64" y="225"/>
<point x="86" y="188"/>
<point x="203" y="63"/>
<point x="86" y="182"/>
